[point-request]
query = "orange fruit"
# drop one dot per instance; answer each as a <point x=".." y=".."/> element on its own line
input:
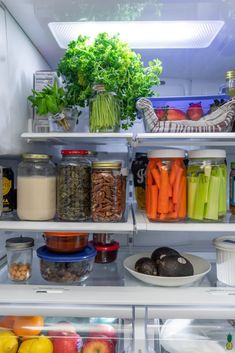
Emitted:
<point x="7" y="322"/>
<point x="28" y="326"/>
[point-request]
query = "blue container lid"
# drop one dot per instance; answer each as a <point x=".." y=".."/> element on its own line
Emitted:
<point x="86" y="254"/>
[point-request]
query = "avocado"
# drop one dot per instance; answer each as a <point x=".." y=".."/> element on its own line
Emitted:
<point x="146" y="266"/>
<point x="175" y="266"/>
<point x="159" y="253"/>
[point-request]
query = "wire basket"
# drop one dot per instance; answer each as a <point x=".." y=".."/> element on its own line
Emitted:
<point x="220" y="120"/>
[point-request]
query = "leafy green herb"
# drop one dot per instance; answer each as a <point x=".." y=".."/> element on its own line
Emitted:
<point x="52" y="99"/>
<point x="110" y="62"/>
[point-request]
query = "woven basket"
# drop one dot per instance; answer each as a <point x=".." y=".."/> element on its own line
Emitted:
<point x="220" y="120"/>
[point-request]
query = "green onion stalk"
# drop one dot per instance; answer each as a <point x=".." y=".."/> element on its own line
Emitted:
<point x="104" y="112"/>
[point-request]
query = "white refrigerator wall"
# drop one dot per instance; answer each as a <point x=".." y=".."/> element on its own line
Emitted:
<point x="19" y="59"/>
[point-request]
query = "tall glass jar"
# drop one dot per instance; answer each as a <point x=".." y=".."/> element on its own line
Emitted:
<point x="107" y="191"/>
<point x="166" y="185"/>
<point x="74" y="186"/>
<point x="104" y="111"/>
<point x="36" y="188"/>
<point x="230" y="83"/>
<point x="207" y="185"/>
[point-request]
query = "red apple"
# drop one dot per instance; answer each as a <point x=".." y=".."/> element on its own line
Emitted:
<point x="65" y="339"/>
<point x="104" y="330"/>
<point x="98" y="346"/>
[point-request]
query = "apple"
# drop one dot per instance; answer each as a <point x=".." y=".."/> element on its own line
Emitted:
<point x="65" y="339"/>
<point x="98" y="346"/>
<point x="104" y="330"/>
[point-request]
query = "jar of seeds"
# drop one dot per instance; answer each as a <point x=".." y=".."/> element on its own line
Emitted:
<point x="74" y="186"/>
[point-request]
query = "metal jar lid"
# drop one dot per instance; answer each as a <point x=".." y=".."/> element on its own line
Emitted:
<point x="19" y="243"/>
<point x="35" y="156"/>
<point x="230" y="74"/>
<point x="107" y="165"/>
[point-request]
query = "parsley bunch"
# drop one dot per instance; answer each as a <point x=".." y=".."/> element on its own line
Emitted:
<point x="110" y="62"/>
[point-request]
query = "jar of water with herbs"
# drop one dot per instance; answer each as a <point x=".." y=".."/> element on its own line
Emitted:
<point x="104" y="110"/>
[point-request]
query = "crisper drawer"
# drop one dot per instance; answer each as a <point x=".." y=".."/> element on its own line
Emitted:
<point x="189" y="336"/>
<point x="65" y="334"/>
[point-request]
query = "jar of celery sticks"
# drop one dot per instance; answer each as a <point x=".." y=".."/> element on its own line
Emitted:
<point x="104" y="110"/>
<point x="207" y="185"/>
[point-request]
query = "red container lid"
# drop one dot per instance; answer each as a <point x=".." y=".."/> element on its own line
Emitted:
<point x="109" y="247"/>
<point x="80" y="152"/>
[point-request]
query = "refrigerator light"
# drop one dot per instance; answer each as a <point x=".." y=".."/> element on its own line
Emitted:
<point x="142" y="34"/>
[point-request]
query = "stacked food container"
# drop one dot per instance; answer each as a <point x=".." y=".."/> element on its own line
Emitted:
<point x="66" y="257"/>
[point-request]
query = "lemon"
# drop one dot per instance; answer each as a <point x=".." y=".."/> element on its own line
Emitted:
<point x="8" y="342"/>
<point x="37" y="345"/>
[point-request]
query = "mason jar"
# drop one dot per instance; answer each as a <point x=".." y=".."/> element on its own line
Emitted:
<point x="36" y="188"/>
<point x="104" y="111"/>
<point x="207" y="185"/>
<point x="107" y="202"/>
<point x="166" y="185"/>
<point x="19" y="258"/>
<point x="74" y="186"/>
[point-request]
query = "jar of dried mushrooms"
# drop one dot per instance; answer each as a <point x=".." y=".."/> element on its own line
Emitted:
<point x="74" y="186"/>
<point x="106" y="191"/>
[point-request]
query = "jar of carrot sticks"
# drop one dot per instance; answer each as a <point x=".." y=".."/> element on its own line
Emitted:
<point x="207" y="185"/>
<point x="166" y="185"/>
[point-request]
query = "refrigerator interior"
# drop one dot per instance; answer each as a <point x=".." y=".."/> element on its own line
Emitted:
<point x="147" y="319"/>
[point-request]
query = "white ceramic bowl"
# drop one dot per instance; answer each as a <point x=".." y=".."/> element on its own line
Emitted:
<point x="225" y="259"/>
<point x="200" y="266"/>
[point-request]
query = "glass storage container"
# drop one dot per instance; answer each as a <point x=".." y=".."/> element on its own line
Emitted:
<point x="104" y="111"/>
<point x="66" y="268"/>
<point x="138" y="169"/>
<point x="36" y="188"/>
<point x="74" y="186"/>
<point x="232" y="188"/>
<point x="19" y="258"/>
<point x="106" y="191"/>
<point x="230" y="83"/>
<point x="166" y="185"/>
<point x="66" y="242"/>
<point x="207" y="185"/>
<point x="106" y="253"/>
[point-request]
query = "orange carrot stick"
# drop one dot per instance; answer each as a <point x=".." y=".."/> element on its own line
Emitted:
<point x="156" y="177"/>
<point x="163" y="192"/>
<point x="170" y="205"/>
<point x="152" y="210"/>
<point x="172" y="174"/>
<point x="176" y="186"/>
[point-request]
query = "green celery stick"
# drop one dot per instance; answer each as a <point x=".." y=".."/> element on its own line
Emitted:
<point x="212" y="207"/>
<point x="192" y="192"/>
<point x="200" y="198"/>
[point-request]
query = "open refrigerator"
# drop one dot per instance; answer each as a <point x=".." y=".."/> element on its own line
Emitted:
<point x="146" y="318"/>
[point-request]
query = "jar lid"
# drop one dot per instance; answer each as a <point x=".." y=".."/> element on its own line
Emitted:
<point x="88" y="253"/>
<point x="108" y="247"/>
<point x="167" y="153"/>
<point x="107" y="165"/>
<point x="19" y="243"/>
<point x="76" y="152"/>
<point x="207" y="154"/>
<point x="35" y="156"/>
<point x="225" y="243"/>
<point x="230" y="74"/>
<point x="64" y="234"/>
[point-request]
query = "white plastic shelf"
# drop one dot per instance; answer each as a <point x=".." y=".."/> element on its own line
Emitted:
<point x="53" y="226"/>
<point x="143" y="224"/>
<point x="184" y="139"/>
<point x="63" y="138"/>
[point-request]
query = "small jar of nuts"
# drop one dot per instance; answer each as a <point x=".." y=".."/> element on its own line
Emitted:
<point x="19" y="258"/>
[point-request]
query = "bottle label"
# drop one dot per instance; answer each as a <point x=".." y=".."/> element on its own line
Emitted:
<point x="232" y="191"/>
<point x="6" y="185"/>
